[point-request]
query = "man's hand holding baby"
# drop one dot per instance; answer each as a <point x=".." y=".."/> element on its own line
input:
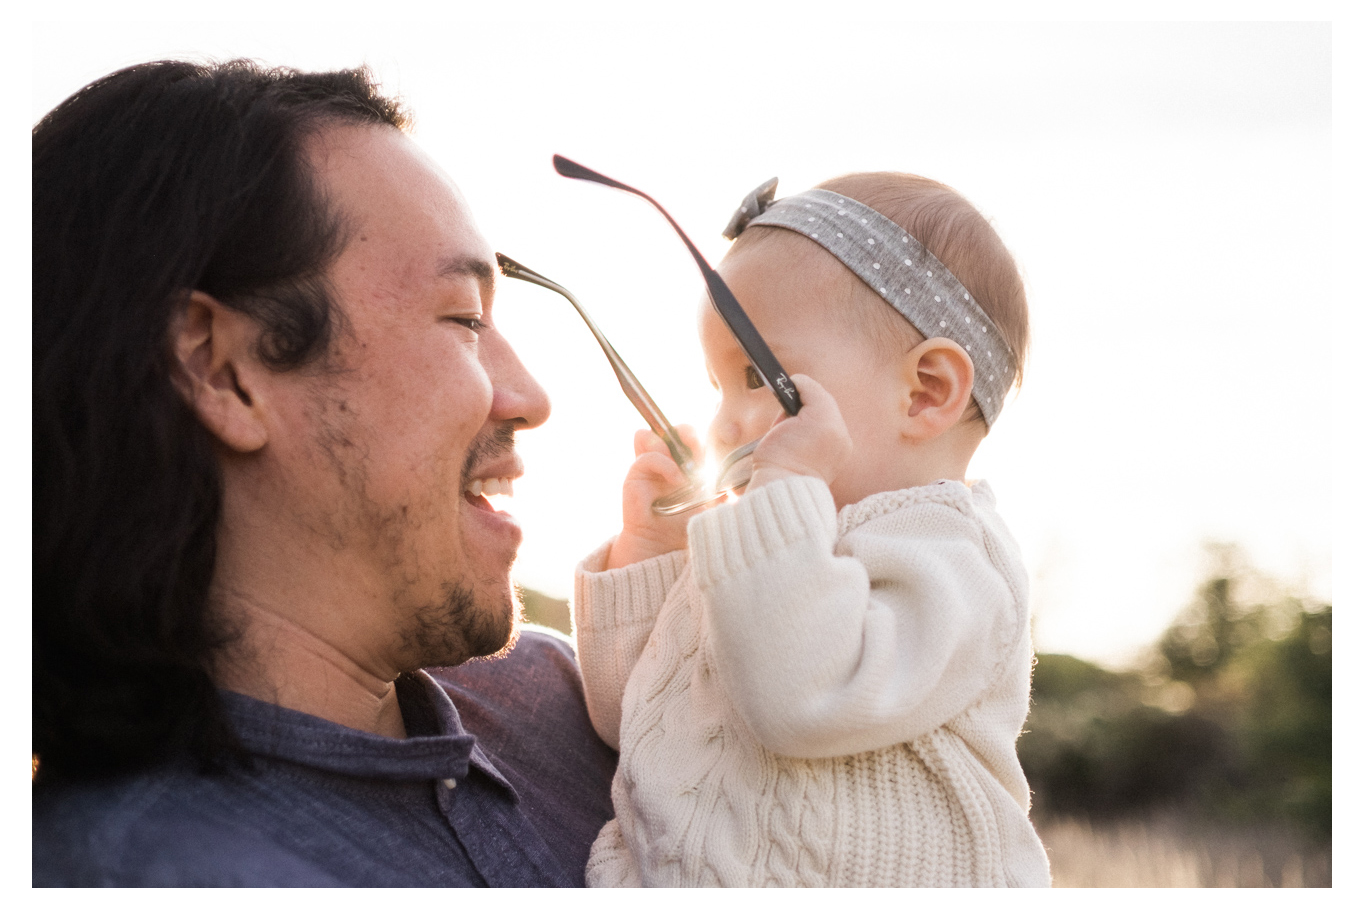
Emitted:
<point x="814" y="443"/>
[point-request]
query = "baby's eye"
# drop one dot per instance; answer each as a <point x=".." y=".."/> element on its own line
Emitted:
<point x="752" y="379"/>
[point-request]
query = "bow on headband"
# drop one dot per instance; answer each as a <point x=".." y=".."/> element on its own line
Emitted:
<point x="753" y="205"/>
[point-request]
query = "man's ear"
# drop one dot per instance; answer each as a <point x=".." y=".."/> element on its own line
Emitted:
<point x="937" y="376"/>
<point x="215" y="370"/>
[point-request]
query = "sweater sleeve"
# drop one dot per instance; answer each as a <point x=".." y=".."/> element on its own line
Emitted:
<point x="613" y="614"/>
<point x="832" y="650"/>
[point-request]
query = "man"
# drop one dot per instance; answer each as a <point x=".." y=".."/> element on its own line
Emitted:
<point x="266" y="376"/>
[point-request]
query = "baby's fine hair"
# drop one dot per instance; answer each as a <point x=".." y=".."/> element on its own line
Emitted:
<point x="949" y="227"/>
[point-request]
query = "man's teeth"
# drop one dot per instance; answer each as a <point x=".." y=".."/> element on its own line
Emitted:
<point x="493" y="486"/>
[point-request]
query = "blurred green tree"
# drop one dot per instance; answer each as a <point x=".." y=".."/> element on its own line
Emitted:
<point x="1230" y="719"/>
<point x="544" y="610"/>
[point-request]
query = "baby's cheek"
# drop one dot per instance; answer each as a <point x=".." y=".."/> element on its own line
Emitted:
<point x="761" y="417"/>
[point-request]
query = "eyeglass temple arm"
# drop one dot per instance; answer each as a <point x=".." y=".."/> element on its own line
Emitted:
<point x="721" y="297"/>
<point x="680" y="452"/>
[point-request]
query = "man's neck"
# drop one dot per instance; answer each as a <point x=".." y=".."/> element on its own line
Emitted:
<point x="276" y="660"/>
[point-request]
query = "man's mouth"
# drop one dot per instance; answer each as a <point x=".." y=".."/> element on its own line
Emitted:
<point x="477" y="491"/>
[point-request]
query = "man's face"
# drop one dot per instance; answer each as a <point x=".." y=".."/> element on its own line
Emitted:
<point x="417" y="402"/>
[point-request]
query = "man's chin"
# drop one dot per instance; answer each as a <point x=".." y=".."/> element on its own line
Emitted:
<point x="500" y="637"/>
<point x="511" y="642"/>
<point x="465" y="626"/>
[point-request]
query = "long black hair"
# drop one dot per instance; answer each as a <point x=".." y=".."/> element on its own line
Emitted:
<point x="154" y="181"/>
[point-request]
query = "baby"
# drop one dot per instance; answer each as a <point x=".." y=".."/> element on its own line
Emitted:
<point x="821" y="682"/>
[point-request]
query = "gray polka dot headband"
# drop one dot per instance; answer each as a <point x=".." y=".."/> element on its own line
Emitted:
<point x="899" y="269"/>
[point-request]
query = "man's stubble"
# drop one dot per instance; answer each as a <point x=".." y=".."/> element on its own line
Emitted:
<point x="438" y="631"/>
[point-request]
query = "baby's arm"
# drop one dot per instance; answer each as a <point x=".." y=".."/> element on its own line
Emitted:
<point x="614" y="612"/>
<point x="619" y="589"/>
<point x="829" y="653"/>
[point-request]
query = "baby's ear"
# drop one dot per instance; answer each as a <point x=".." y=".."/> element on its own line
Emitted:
<point x="937" y="376"/>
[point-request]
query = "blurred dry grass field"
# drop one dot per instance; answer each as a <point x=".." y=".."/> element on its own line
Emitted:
<point x="1156" y="854"/>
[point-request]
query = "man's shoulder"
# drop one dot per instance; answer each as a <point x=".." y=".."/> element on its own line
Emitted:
<point x="527" y="701"/>
<point x="528" y="712"/>
<point x="163" y="827"/>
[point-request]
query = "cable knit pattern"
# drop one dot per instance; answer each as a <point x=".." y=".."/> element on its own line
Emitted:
<point x="805" y="698"/>
<point x="611" y="636"/>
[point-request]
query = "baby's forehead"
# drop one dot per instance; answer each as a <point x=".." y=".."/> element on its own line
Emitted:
<point x="794" y="262"/>
<point x="799" y="281"/>
<point x="803" y="276"/>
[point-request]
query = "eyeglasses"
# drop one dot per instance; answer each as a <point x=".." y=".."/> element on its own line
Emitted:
<point x="731" y="475"/>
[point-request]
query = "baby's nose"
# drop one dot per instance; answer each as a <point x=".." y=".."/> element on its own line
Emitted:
<point x="725" y="433"/>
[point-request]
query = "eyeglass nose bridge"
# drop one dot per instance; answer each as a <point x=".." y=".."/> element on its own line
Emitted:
<point x="732" y="477"/>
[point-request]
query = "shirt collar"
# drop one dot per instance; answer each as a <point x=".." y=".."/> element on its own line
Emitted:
<point x="270" y="730"/>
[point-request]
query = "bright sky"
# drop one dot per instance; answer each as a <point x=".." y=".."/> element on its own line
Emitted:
<point x="1167" y="189"/>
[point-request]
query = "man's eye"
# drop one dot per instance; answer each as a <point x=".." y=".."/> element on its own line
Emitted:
<point x="752" y="379"/>
<point x="473" y="323"/>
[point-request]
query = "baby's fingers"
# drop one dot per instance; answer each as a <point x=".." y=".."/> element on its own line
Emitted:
<point x="817" y="405"/>
<point x="643" y="533"/>
<point x="689" y="436"/>
<point x="814" y="443"/>
<point x="648" y="441"/>
<point x="656" y="468"/>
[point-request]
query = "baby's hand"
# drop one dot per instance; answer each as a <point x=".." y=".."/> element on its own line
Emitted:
<point x="814" y="443"/>
<point x="643" y="533"/>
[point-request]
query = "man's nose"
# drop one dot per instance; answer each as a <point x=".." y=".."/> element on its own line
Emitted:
<point x="517" y="397"/>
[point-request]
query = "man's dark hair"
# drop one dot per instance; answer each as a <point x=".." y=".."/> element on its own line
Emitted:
<point x="157" y="180"/>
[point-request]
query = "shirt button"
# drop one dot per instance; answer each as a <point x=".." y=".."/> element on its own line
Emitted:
<point x="449" y="782"/>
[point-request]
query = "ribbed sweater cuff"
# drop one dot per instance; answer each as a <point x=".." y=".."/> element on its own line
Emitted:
<point x="606" y="598"/>
<point x="737" y="536"/>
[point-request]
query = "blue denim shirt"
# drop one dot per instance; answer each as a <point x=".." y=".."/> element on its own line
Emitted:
<point x="501" y="782"/>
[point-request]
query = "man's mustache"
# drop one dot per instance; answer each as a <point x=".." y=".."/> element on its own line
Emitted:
<point x="496" y="444"/>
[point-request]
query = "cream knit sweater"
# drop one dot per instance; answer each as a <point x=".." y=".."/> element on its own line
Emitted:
<point x="816" y="699"/>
